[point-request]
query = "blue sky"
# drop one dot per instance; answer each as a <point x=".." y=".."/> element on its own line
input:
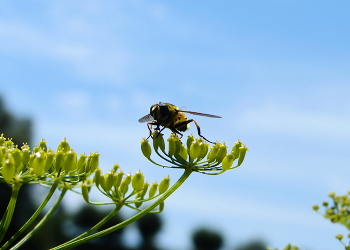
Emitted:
<point x="278" y="72"/>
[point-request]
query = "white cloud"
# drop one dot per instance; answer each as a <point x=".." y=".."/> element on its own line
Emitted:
<point x="75" y="40"/>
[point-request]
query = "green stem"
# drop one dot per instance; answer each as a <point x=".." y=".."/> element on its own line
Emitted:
<point x="182" y="179"/>
<point x="165" y="159"/>
<point x="42" y="221"/>
<point x="155" y="163"/>
<point x="34" y="216"/>
<point x="6" y="220"/>
<point x="97" y="226"/>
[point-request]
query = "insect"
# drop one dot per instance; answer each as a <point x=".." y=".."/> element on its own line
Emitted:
<point x="169" y="116"/>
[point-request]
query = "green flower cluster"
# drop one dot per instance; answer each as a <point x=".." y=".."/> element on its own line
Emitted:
<point x="124" y="189"/>
<point x="42" y="165"/>
<point x="197" y="155"/>
<point x="338" y="211"/>
<point x="288" y="247"/>
<point x="62" y="170"/>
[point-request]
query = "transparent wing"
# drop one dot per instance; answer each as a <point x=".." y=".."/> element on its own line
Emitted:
<point x="146" y="118"/>
<point x="201" y="114"/>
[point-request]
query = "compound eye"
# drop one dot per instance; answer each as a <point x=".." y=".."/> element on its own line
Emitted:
<point x="164" y="111"/>
<point x="154" y="111"/>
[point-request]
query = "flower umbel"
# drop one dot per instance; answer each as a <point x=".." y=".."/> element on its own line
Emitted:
<point x="197" y="155"/>
<point x="64" y="170"/>
<point x="337" y="211"/>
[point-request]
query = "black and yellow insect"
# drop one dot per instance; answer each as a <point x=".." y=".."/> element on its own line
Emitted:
<point x="169" y="116"/>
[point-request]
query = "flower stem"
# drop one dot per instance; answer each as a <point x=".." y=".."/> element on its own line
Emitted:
<point x="34" y="216"/>
<point x="6" y="219"/>
<point x="97" y="226"/>
<point x="181" y="180"/>
<point x="42" y="221"/>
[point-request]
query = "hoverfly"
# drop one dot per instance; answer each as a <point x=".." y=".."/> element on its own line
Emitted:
<point x="169" y="116"/>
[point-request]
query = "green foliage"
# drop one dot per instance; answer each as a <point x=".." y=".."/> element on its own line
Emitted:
<point x="205" y="239"/>
<point x="252" y="245"/>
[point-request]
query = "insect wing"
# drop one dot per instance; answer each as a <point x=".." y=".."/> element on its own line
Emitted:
<point x="146" y="118"/>
<point x="201" y="114"/>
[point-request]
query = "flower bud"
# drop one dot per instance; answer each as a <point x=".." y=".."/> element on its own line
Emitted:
<point x="97" y="176"/>
<point x="31" y="160"/>
<point x="213" y="152"/>
<point x="115" y="168"/>
<point x="25" y="154"/>
<point x="195" y="149"/>
<point x="127" y="179"/>
<point x="138" y="196"/>
<point x="2" y="140"/>
<point x="222" y="152"/>
<point x="124" y="187"/>
<point x="8" y="168"/>
<point x="315" y="207"/>
<point x="242" y="152"/>
<point x="227" y="162"/>
<point x="137" y="181"/>
<point x="178" y="145"/>
<point x="119" y="179"/>
<point x="153" y="190"/>
<point x="235" y="149"/>
<point x="172" y="145"/>
<point x="63" y="146"/>
<point x="183" y="152"/>
<point x="49" y="159"/>
<point x="144" y="190"/>
<point x="70" y="161"/>
<point x="189" y="142"/>
<point x="146" y="148"/>
<point x="93" y="162"/>
<point x="59" y="160"/>
<point x="102" y="182"/>
<point x="164" y="185"/>
<point x="43" y="145"/>
<point x="158" y="141"/>
<point x="339" y="236"/>
<point x="85" y="192"/>
<point x="204" y="150"/>
<point x="109" y="181"/>
<point x="9" y="143"/>
<point x="332" y="195"/>
<point x="39" y="163"/>
<point x="16" y="154"/>
<point x="81" y="163"/>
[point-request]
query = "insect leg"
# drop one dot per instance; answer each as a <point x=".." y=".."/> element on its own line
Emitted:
<point x="149" y="125"/>
<point x="199" y="130"/>
<point x="175" y="131"/>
